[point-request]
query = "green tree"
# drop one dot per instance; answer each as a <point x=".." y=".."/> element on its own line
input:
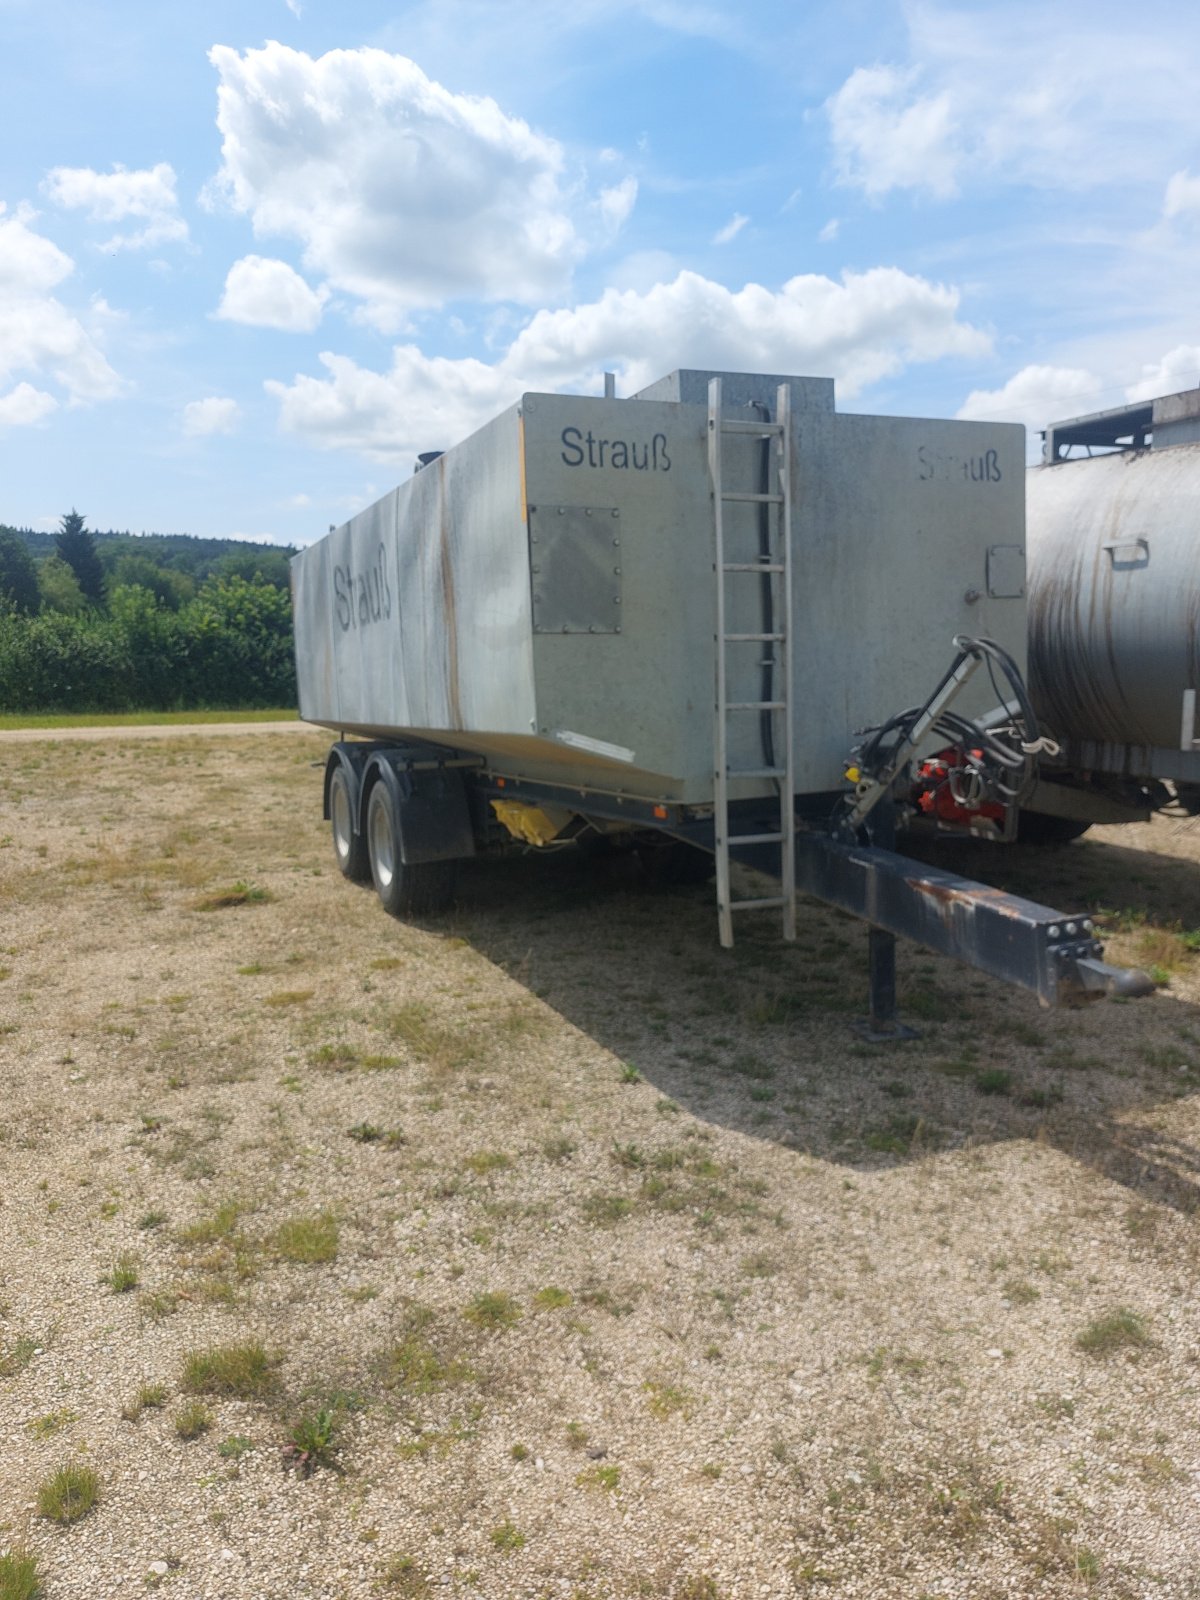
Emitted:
<point x="19" y="590"/>
<point x="59" y="586"/>
<point x="78" y="549"/>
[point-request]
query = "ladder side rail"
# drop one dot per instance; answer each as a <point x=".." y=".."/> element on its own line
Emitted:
<point x="786" y="691"/>
<point x="721" y="696"/>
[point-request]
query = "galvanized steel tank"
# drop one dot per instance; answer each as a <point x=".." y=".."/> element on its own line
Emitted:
<point x="1114" y="594"/>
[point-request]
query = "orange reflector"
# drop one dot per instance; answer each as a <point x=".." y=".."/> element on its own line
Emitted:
<point x="499" y="783"/>
<point x="661" y="813"/>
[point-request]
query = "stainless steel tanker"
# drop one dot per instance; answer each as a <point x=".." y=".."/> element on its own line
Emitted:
<point x="712" y="623"/>
<point x="1114" y="607"/>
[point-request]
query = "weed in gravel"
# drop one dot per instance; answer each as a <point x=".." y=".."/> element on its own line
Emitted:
<point x="507" y="1538"/>
<point x="313" y="1442"/>
<point x="1019" y="1292"/>
<point x="69" y="1493"/>
<point x="243" y="1371"/>
<point x="668" y="1400"/>
<point x="19" y="1579"/>
<point x="630" y="1073"/>
<point x="1121" y="1329"/>
<point x="493" y="1310"/>
<point x="402" y="1576"/>
<point x="701" y="1586"/>
<point x="443" y="1048"/>
<point x="759" y="1265"/>
<point x="15" y="1357"/>
<point x="605" y="1478"/>
<point x="150" y="1397"/>
<point x="603" y="1210"/>
<point x="552" y="1298"/>
<point x="53" y="1422"/>
<point x="372" y="1133"/>
<point x="339" y="1057"/>
<point x="519" y="1452"/>
<point x="238" y="894"/>
<point x="192" y="1420"/>
<point x="558" y="1149"/>
<point x="576" y="1435"/>
<point x="994" y="1080"/>
<point x="412" y="1362"/>
<point x="158" y="1304"/>
<point x="483" y="1162"/>
<point x="288" y="997"/>
<point x="234" y="1447"/>
<point x="124" y="1274"/>
<point x="218" y="1225"/>
<point x="309" y="1241"/>
<point x="151" y="1220"/>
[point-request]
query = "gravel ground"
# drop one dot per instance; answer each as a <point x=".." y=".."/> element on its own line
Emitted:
<point x="545" y="1249"/>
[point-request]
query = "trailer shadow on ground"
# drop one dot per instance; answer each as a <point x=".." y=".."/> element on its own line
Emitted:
<point x="760" y="1038"/>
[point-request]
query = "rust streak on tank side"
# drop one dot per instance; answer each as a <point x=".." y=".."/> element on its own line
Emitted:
<point x="448" y="602"/>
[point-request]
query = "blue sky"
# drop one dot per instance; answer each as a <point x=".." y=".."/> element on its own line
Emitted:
<point x="254" y="256"/>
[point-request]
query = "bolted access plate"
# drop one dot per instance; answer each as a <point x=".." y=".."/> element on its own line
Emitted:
<point x="575" y="568"/>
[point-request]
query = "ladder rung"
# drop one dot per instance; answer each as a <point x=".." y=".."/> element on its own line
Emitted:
<point x="763" y="430"/>
<point x="758" y="905"/>
<point x="756" y="838"/>
<point x="755" y="638"/>
<point x="755" y="705"/>
<point x="753" y="499"/>
<point x="755" y="772"/>
<point x="753" y="566"/>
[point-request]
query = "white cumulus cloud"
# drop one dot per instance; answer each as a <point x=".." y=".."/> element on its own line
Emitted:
<point x="215" y="414"/>
<point x="859" y="329"/>
<point x="1178" y="369"/>
<point x="38" y="335"/>
<point x="1037" y="395"/>
<point x="270" y="294"/>
<point x="887" y="135"/>
<point x="146" y="196"/>
<point x="400" y="192"/>
<point x="24" y="405"/>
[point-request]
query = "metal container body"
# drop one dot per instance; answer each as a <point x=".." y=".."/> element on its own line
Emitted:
<point x="1114" y="594"/>
<point x="544" y="595"/>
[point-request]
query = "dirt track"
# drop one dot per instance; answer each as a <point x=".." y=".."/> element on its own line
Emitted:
<point x="635" y="1273"/>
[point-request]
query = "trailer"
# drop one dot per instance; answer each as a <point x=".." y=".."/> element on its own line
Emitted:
<point x="1114" y="614"/>
<point x="716" y="622"/>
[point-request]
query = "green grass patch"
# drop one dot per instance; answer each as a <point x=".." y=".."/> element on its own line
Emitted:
<point x="1121" y="1329"/>
<point x="68" y="1494"/>
<point x="308" y="1240"/>
<point x="19" y="1578"/>
<point x="493" y="1311"/>
<point x="241" y="1371"/>
<point x="139" y="719"/>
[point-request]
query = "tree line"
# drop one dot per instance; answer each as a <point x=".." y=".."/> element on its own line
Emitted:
<point x="117" y="622"/>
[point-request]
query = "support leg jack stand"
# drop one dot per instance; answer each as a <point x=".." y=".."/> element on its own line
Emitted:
<point x="882" y="1026"/>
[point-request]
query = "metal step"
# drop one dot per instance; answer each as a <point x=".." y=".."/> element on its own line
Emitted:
<point x="755" y="638"/>
<point x="753" y="566"/>
<point x="755" y="705"/>
<point x="746" y="498"/>
<point x="756" y="772"/>
<point x="756" y="838"/>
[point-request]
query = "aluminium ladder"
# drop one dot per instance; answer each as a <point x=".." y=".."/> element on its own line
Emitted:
<point x="776" y="567"/>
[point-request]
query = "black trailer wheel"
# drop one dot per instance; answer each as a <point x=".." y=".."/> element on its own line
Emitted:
<point x="405" y="889"/>
<point x="349" y="848"/>
<point x="1035" y="827"/>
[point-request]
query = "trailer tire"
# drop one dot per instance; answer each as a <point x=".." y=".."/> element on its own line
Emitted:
<point x="405" y="888"/>
<point x="349" y="847"/>
<point x="1035" y="827"/>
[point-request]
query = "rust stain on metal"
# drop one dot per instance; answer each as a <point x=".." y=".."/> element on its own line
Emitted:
<point x="448" y="602"/>
<point x="947" y="896"/>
